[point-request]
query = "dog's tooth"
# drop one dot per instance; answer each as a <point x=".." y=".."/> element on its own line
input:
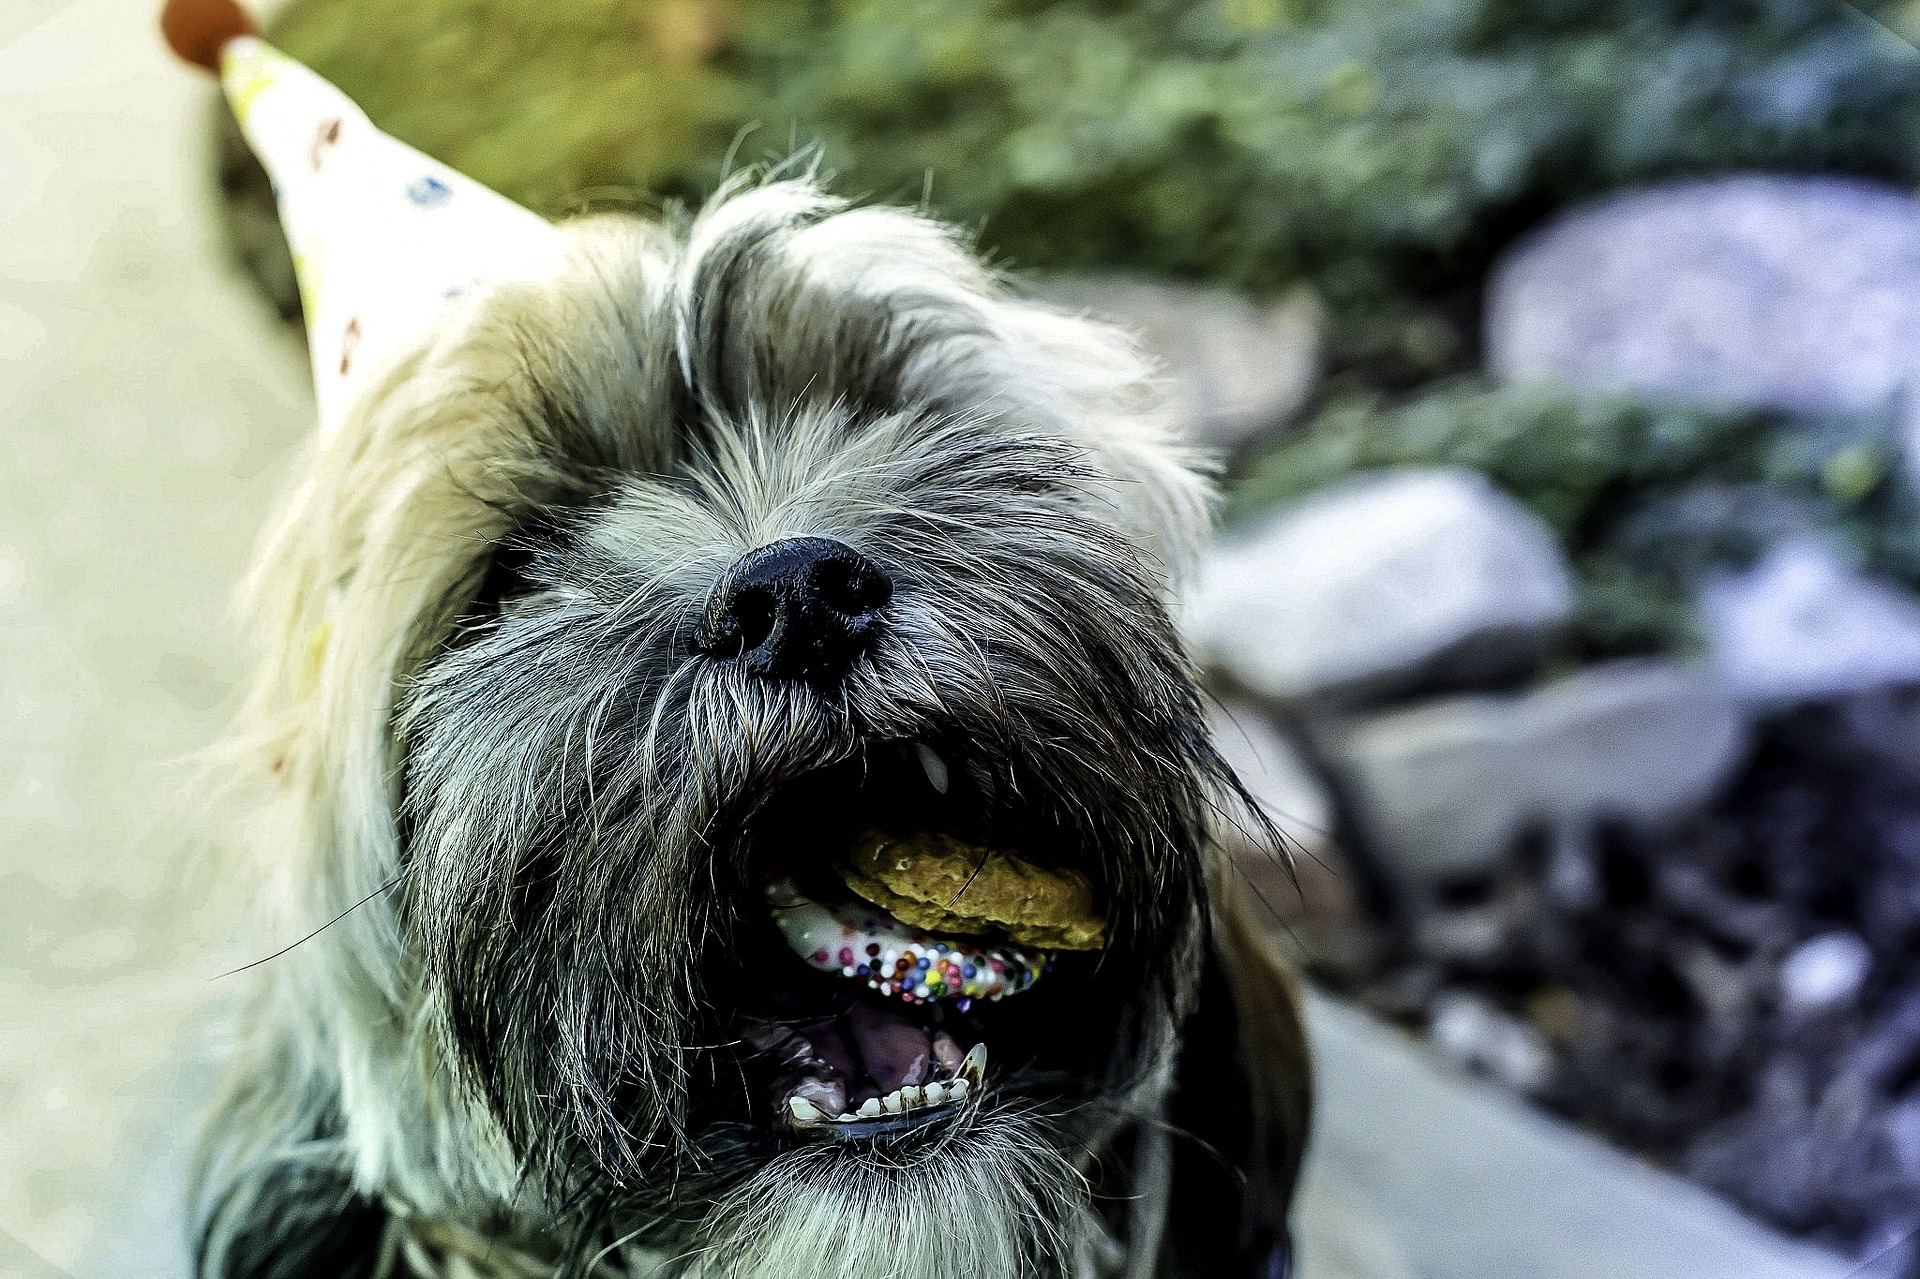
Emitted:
<point x="957" y="1089"/>
<point x="974" y="1067"/>
<point x="869" y="1108"/>
<point x="935" y="1093"/>
<point x="933" y="765"/>
<point x="911" y="1096"/>
<point x="892" y="1103"/>
<point x="804" y="1111"/>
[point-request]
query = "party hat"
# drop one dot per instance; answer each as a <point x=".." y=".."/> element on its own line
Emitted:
<point x="385" y="238"/>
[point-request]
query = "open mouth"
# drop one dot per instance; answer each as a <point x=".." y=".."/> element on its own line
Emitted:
<point x="904" y="925"/>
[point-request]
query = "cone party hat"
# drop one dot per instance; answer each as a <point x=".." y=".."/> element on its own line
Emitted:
<point x="385" y="239"/>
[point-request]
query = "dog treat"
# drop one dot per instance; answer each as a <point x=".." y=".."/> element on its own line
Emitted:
<point x="944" y="886"/>
<point x="894" y="959"/>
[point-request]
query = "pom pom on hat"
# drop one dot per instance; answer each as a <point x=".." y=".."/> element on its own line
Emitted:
<point x="196" y="30"/>
<point x="385" y="240"/>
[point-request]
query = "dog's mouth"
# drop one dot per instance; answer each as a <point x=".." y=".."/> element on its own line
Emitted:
<point x="907" y="915"/>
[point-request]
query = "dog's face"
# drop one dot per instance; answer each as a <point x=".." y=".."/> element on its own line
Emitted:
<point x="937" y="632"/>
<point x="724" y="555"/>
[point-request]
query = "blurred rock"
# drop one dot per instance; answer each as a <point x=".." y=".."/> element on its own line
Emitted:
<point x="1796" y="293"/>
<point x="1237" y="368"/>
<point x="1308" y="881"/>
<point x="1825" y="971"/>
<point x="1880" y="729"/>
<point x="1909" y="430"/>
<point x="1478" y="1035"/>
<point x="1445" y="789"/>
<point x="1802" y="625"/>
<point x="1475" y="932"/>
<point x="1274" y="771"/>
<point x="1380" y="585"/>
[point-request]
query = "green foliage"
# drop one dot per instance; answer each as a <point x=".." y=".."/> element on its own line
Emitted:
<point x="1645" y="497"/>
<point x="544" y="100"/>
<point x="1377" y="149"/>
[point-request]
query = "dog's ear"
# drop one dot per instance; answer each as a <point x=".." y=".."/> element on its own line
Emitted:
<point x="291" y="1220"/>
<point x="1239" y="1112"/>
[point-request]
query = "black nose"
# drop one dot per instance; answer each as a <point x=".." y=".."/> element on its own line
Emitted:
<point x="801" y="609"/>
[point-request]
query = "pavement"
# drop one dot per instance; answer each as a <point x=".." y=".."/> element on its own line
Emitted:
<point x="148" y="408"/>
<point x="148" y="405"/>
<point x="1417" y="1172"/>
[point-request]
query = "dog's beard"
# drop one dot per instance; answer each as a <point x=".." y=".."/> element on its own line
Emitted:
<point x="991" y="1198"/>
<point x="593" y="805"/>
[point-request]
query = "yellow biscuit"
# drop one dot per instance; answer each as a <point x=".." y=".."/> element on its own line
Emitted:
<point x="944" y="886"/>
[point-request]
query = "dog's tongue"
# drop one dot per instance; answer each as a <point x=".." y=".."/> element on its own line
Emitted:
<point x="895" y="1051"/>
<point x="872" y="1051"/>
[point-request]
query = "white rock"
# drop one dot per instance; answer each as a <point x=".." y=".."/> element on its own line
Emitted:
<point x="1237" y="368"/>
<point x="1274" y="772"/>
<point x="1825" y="971"/>
<point x="1799" y="293"/>
<point x="1443" y="789"/>
<point x="1370" y="586"/>
<point x="1802" y="625"/>
<point x="1479" y="1036"/>
<point x="1306" y="883"/>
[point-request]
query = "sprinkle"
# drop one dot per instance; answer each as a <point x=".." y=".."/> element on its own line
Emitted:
<point x="897" y="962"/>
<point x="426" y="191"/>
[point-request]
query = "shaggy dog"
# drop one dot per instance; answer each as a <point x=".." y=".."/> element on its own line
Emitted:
<point x="622" y="608"/>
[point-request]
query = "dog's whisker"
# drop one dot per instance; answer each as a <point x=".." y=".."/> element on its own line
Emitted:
<point x="288" y="948"/>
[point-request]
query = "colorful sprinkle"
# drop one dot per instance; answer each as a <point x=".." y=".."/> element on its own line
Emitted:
<point x="428" y="191"/>
<point x="896" y="960"/>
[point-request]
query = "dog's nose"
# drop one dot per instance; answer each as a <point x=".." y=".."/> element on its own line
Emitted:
<point x="799" y="609"/>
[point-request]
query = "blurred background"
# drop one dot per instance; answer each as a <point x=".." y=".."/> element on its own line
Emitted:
<point x="1560" y="355"/>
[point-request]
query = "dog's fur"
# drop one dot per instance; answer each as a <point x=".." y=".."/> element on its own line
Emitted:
<point x="481" y="744"/>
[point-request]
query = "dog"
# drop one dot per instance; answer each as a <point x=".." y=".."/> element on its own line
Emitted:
<point x="623" y="607"/>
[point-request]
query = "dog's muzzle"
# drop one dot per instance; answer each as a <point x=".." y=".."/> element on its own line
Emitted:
<point x="892" y="946"/>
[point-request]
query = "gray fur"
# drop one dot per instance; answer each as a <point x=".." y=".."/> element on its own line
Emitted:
<point x="482" y="736"/>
